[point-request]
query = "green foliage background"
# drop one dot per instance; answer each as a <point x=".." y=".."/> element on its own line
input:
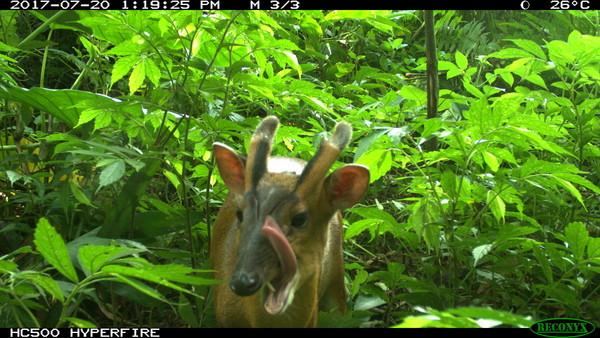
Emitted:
<point x="108" y="185"/>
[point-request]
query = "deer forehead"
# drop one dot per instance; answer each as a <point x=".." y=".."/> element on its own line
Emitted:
<point x="281" y="164"/>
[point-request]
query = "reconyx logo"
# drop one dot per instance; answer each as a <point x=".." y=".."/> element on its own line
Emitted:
<point x="562" y="327"/>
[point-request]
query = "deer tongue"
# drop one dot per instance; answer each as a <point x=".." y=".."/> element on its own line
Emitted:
<point x="277" y="298"/>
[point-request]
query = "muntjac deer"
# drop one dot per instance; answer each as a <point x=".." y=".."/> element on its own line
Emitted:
<point x="278" y="236"/>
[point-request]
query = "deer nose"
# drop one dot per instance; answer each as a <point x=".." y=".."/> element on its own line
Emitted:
<point x="245" y="283"/>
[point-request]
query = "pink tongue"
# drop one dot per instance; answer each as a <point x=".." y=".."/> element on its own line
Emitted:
<point x="282" y="247"/>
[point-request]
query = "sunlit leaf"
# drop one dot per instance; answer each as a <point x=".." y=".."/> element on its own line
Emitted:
<point x="52" y="247"/>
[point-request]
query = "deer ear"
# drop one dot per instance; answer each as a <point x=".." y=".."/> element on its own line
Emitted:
<point x="346" y="185"/>
<point x="231" y="166"/>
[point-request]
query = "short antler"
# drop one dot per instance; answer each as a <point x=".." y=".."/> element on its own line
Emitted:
<point x="315" y="171"/>
<point x="260" y="148"/>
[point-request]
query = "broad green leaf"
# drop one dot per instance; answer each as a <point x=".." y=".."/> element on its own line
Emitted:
<point x="13" y="176"/>
<point x="140" y="287"/>
<point x="48" y="284"/>
<point x="562" y="293"/>
<point x="79" y="193"/>
<point x="292" y="61"/>
<point x="88" y="115"/>
<point x="343" y="68"/>
<point x="461" y="60"/>
<point x="179" y="273"/>
<point x="593" y="248"/>
<point x="59" y="103"/>
<point x="136" y="79"/>
<point x="577" y="180"/>
<point x="152" y="275"/>
<point x="152" y="71"/>
<point x="52" y="247"/>
<point x="119" y="218"/>
<point x="375" y="213"/>
<point x="379" y="162"/>
<point x="570" y="188"/>
<point x="496" y="205"/>
<point x="93" y="257"/>
<point x="122" y="67"/>
<point x="7" y="267"/>
<point x="358" y="227"/>
<point x="510" y="53"/>
<point x="311" y="27"/>
<point x="472" y="89"/>
<point x="112" y="173"/>
<point x="536" y="79"/>
<point x="537" y="140"/>
<point x="127" y="48"/>
<point x="491" y="161"/>
<point x="366" y="142"/>
<point x="531" y="47"/>
<point x="78" y="322"/>
<point x="480" y="251"/>
<point x="186" y="311"/>
<point x="103" y="119"/>
<point x="577" y="237"/>
<point x="449" y="183"/>
<point x="414" y="94"/>
<point x="154" y="223"/>
<point x="544" y="262"/>
<point x="431" y="126"/>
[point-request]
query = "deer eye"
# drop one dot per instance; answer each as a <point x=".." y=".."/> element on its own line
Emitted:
<point x="300" y="220"/>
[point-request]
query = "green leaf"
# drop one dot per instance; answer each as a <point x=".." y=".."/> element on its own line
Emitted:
<point x="510" y="53"/>
<point x="119" y="218"/>
<point x="570" y="188"/>
<point x="162" y="275"/>
<point x="497" y="205"/>
<point x="7" y="267"/>
<point x="480" y="251"/>
<point x="141" y="287"/>
<point x="52" y="247"/>
<point x="122" y="67"/>
<point x="593" y="248"/>
<point x="88" y="115"/>
<point x="59" y="103"/>
<point x="93" y="257"/>
<point x="79" y="193"/>
<point x="531" y="47"/>
<point x="186" y="311"/>
<point x="491" y="160"/>
<point x="461" y="60"/>
<point x="379" y="162"/>
<point x="414" y="94"/>
<point x="136" y="79"/>
<point x="78" y="322"/>
<point x="292" y="61"/>
<point x="367" y="142"/>
<point x="358" y="227"/>
<point x="537" y="140"/>
<point x="112" y="173"/>
<point x="152" y="71"/>
<point x="48" y="284"/>
<point x="577" y="237"/>
<point x="544" y="261"/>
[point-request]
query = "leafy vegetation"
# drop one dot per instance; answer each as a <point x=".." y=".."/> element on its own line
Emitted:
<point x="109" y="190"/>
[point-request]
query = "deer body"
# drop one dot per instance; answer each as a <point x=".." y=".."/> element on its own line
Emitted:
<point x="278" y="236"/>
